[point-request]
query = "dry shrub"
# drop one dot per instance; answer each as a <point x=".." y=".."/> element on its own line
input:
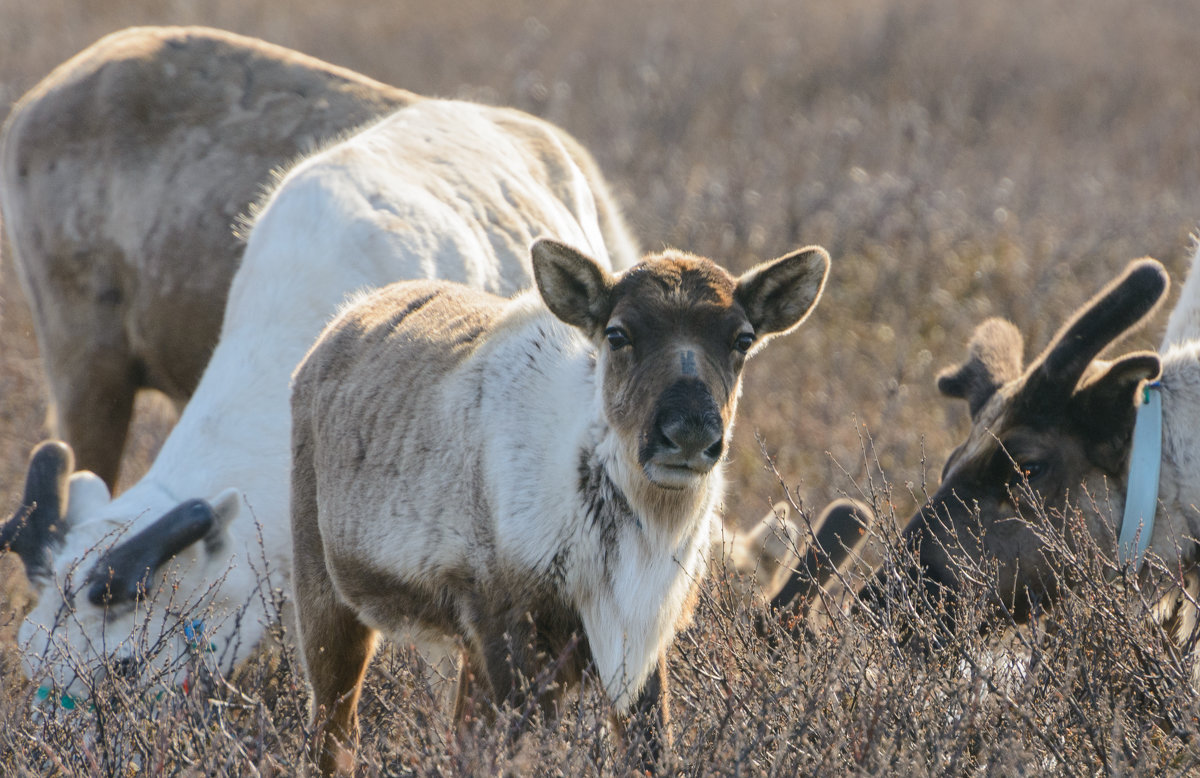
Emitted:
<point x="1090" y="686"/>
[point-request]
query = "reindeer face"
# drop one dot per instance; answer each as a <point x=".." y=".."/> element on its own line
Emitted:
<point x="1047" y="445"/>
<point x="107" y="598"/>
<point x="673" y="334"/>
<point x="673" y="349"/>
<point x="1011" y="483"/>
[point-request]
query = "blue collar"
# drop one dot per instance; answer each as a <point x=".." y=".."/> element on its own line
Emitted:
<point x="1141" y="488"/>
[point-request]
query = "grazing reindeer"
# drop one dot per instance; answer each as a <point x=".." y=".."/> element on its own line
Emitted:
<point x="1057" y="439"/>
<point x="438" y="189"/>
<point x="517" y="477"/>
<point x="122" y="174"/>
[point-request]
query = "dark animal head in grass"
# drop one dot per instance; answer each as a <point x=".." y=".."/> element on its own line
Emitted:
<point x="1047" y="452"/>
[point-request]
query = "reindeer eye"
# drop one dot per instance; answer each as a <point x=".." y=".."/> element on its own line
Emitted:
<point x="744" y="342"/>
<point x="1032" y="470"/>
<point x="617" y="338"/>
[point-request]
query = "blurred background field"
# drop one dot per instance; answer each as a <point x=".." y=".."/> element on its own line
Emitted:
<point x="959" y="160"/>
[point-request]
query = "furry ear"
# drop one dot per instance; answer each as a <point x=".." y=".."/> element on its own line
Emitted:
<point x="1111" y="396"/>
<point x="994" y="357"/>
<point x="88" y="495"/>
<point x="573" y="286"/>
<point x="226" y="507"/>
<point x="1118" y="308"/>
<point x="778" y="295"/>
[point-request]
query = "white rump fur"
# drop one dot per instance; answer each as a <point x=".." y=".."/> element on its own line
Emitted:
<point x="440" y="189"/>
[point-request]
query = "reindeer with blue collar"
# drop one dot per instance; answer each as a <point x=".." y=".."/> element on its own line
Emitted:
<point x="1071" y="445"/>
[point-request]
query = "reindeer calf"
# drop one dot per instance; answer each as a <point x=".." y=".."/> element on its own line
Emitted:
<point x="521" y="478"/>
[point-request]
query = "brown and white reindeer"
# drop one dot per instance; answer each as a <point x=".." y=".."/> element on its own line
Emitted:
<point x="520" y="474"/>
<point x="1052" y="448"/>
<point x="122" y="175"/>
<point x="126" y="251"/>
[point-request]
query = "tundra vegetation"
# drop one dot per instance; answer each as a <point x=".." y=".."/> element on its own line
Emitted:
<point x="959" y="161"/>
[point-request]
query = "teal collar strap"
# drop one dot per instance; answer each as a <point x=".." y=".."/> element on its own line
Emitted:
<point x="1141" y="489"/>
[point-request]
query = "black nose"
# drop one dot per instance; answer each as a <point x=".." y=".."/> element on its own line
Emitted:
<point x="692" y="437"/>
<point x="688" y="424"/>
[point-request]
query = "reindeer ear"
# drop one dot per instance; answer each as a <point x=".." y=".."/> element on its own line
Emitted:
<point x="88" y="496"/>
<point x="225" y="507"/>
<point x="779" y="294"/>
<point x="573" y="286"/>
<point x="994" y="358"/>
<point x="1118" y="308"/>
<point x="1111" y="396"/>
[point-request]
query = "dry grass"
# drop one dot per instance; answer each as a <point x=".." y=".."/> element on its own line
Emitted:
<point x="958" y="159"/>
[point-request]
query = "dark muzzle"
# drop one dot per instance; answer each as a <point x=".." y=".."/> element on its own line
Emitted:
<point x="687" y="431"/>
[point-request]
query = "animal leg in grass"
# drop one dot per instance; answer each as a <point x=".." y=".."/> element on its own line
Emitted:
<point x="93" y="405"/>
<point x="464" y="693"/>
<point x="336" y="646"/>
<point x="511" y="664"/>
<point x="337" y="649"/>
<point x="647" y="728"/>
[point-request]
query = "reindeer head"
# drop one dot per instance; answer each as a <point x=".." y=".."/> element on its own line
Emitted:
<point x="673" y="333"/>
<point x="101" y="590"/>
<point x="1046" y="442"/>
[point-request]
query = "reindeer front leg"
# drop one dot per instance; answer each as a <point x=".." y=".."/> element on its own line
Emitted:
<point x="503" y="657"/>
<point x="646" y="728"/>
